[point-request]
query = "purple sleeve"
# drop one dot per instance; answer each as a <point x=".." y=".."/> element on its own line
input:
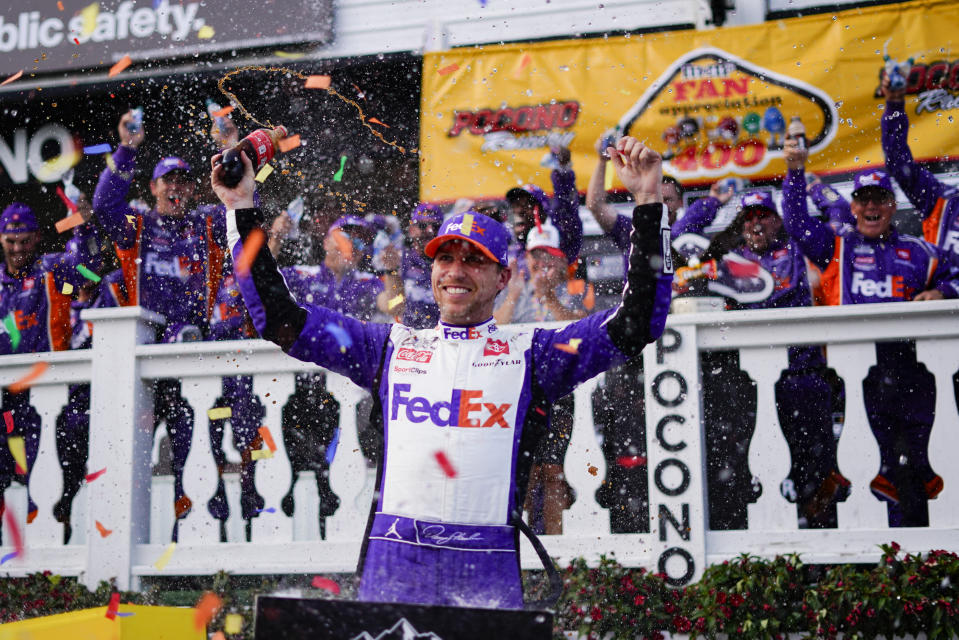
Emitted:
<point x="921" y="187"/>
<point x="816" y="239"/>
<point x="834" y="207"/>
<point x="64" y="266"/>
<point x="946" y="276"/>
<point x="109" y="199"/>
<point x="620" y="232"/>
<point x="564" y="212"/>
<point x="699" y="216"/>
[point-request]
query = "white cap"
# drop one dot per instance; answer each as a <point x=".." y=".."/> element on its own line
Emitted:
<point x="544" y="237"/>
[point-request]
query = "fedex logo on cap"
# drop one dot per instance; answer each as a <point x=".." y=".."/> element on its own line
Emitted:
<point x="453" y="413"/>
<point x="870" y="179"/>
<point x="466" y="226"/>
<point x="753" y="200"/>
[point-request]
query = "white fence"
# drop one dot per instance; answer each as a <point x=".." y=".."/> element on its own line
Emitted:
<point x="138" y="507"/>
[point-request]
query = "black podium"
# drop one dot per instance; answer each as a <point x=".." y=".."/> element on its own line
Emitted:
<point x="315" y="619"/>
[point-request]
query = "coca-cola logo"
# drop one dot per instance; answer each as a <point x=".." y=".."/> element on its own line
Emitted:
<point x="495" y="347"/>
<point x="414" y="355"/>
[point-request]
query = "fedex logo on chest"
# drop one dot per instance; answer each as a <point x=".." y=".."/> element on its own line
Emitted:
<point x="464" y="408"/>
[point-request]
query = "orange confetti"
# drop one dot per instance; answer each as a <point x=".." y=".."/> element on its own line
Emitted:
<point x="120" y="66"/>
<point x="206" y="608"/>
<point x="445" y="71"/>
<point x="113" y="606"/>
<point x="73" y="220"/>
<point x="375" y="121"/>
<point x="250" y="248"/>
<point x="317" y="82"/>
<point x="60" y="5"/>
<point x="15" y="76"/>
<point x="523" y="63"/>
<point x="445" y="464"/>
<point x="104" y="532"/>
<point x="326" y="584"/>
<point x="568" y="348"/>
<point x="292" y="142"/>
<point x="268" y="438"/>
<point x="225" y="111"/>
<point x="24" y="383"/>
<point x="630" y="461"/>
<point x="90" y="477"/>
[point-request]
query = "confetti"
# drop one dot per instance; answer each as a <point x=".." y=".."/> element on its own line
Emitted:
<point x="287" y="144"/>
<point x="118" y="68"/>
<point x="523" y="63"/>
<point x="592" y="470"/>
<point x="292" y="55"/>
<point x="206" y="32"/>
<point x="375" y="121"/>
<point x="24" y="383"/>
<point x="205" y="609"/>
<point x="267" y="510"/>
<point x="540" y="411"/>
<point x="261" y="454"/>
<point x="225" y="111"/>
<point x="90" y="477"/>
<point x="76" y="40"/>
<point x="71" y="221"/>
<point x="218" y="636"/>
<point x="219" y="413"/>
<point x="97" y="149"/>
<point x="331" y="448"/>
<point x="250" y="248"/>
<point x="445" y="464"/>
<point x="12" y="78"/>
<point x="125" y="615"/>
<point x="86" y="273"/>
<point x="572" y="347"/>
<point x="67" y="289"/>
<point x="8" y="418"/>
<point x="263" y="173"/>
<point x="630" y="461"/>
<point x="110" y="163"/>
<point x="326" y="584"/>
<point x="131" y="219"/>
<point x="113" y="606"/>
<point x="60" y="5"/>
<point x="267" y="438"/>
<point x="233" y="623"/>
<point x="19" y="453"/>
<point x="104" y="532"/>
<point x="395" y="302"/>
<point x="342" y="337"/>
<point x="71" y="205"/>
<point x="338" y="176"/>
<point x="10" y="324"/>
<point x="445" y="71"/>
<point x="11" y="527"/>
<point x="317" y="82"/>
<point x="164" y="559"/>
<point x="89" y="15"/>
<point x="608" y="180"/>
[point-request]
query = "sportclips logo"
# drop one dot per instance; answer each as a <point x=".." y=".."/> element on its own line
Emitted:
<point x="524" y="127"/>
<point x="718" y="113"/>
<point x="453" y="413"/>
<point x="30" y="29"/>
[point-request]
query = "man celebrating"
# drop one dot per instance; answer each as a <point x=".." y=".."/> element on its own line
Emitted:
<point x="456" y="400"/>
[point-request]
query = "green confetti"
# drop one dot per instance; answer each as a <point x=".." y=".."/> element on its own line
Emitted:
<point x="10" y="324"/>
<point x="86" y="273"/>
<point x="339" y="174"/>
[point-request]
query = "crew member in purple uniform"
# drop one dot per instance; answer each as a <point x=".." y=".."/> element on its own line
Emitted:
<point x="803" y="395"/>
<point x="873" y="262"/>
<point x="418" y="308"/>
<point x="455" y="398"/>
<point x="172" y="261"/>
<point x="36" y="317"/>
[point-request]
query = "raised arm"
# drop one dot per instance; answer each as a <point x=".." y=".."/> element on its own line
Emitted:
<point x="110" y="198"/>
<point x="605" y="339"/>
<point x="920" y="186"/>
<point x="564" y="207"/>
<point x="311" y="333"/>
<point x="834" y="207"/>
<point x="604" y="213"/>
<point x="815" y="238"/>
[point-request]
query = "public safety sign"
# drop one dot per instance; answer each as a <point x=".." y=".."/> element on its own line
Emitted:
<point x="716" y="103"/>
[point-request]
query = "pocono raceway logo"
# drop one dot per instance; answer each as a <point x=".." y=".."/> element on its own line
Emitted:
<point x="402" y="630"/>
<point x="521" y="127"/>
<point x="30" y="30"/>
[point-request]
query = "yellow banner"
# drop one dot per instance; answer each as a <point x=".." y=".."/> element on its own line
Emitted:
<point x="716" y="103"/>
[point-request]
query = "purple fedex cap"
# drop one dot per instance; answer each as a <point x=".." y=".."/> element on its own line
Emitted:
<point x="532" y="194"/>
<point x="425" y="212"/>
<point x="18" y="218"/>
<point x="167" y="165"/>
<point x="871" y="178"/>
<point x="486" y="234"/>
<point x="757" y="199"/>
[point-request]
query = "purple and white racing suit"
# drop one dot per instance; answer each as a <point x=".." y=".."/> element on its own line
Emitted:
<point x="457" y="405"/>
